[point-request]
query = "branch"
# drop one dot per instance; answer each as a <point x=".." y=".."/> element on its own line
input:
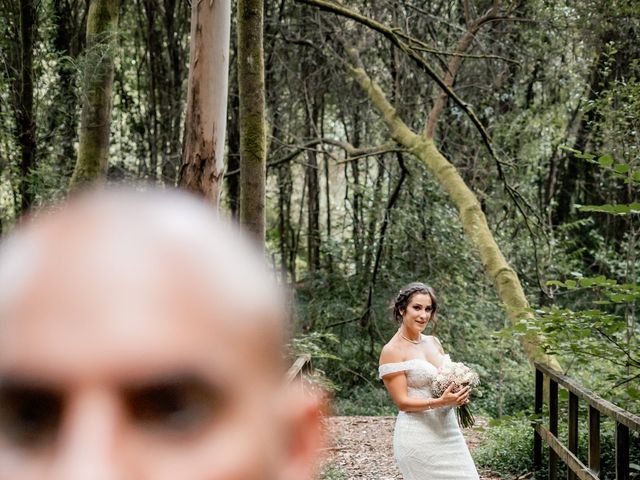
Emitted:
<point x="397" y="38"/>
<point x="626" y="380"/>
<point x="373" y="153"/>
<point x="352" y="152"/>
<point x="383" y="230"/>
<point x="473" y="26"/>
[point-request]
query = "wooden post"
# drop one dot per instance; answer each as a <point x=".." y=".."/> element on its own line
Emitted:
<point x="573" y="430"/>
<point x="594" y="440"/>
<point x="626" y="423"/>
<point x="537" y="440"/>
<point x="553" y="427"/>
<point x="622" y="452"/>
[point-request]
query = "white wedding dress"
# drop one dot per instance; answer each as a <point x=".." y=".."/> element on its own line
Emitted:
<point x="428" y="445"/>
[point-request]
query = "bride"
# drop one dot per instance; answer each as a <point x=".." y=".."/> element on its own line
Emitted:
<point x="427" y="442"/>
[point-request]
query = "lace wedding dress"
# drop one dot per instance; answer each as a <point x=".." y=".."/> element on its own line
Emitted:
<point x="428" y="445"/>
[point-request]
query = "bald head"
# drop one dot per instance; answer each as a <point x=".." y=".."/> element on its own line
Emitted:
<point x="110" y="255"/>
<point x="139" y="239"/>
<point x="139" y="333"/>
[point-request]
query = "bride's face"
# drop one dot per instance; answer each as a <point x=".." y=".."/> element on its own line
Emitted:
<point x="418" y="312"/>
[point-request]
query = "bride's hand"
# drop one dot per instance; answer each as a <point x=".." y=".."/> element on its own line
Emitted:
<point x="455" y="398"/>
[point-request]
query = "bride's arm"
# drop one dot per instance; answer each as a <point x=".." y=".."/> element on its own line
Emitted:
<point x="396" y="384"/>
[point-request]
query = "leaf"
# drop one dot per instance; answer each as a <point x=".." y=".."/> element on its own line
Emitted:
<point x="614" y="209"/>
<point x="606" y="160"/>
<point x="600" y="280"/>
<point x="586" y="282"/>
<point x="621" y="168"/>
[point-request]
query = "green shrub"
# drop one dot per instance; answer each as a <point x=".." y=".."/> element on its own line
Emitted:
<point x="364" y="400"/>
<point x="507" y="448"/>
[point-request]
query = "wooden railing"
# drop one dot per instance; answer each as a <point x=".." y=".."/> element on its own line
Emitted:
<point x="624" y="422"/>
<point x="301" y="366"/>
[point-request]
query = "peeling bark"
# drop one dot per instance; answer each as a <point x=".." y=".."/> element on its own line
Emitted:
<point x="203" y="148"/>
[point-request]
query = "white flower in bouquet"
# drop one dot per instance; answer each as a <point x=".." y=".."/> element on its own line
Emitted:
<point x="459" y="374"/>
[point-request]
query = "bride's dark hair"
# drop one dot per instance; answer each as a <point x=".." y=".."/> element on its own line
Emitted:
<point x="401" y="301"/>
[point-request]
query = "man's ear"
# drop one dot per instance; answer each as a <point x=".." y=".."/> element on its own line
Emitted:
<point x="306" y="433"/>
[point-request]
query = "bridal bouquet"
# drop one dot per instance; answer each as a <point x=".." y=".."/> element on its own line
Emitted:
<point x="462" y="376"/>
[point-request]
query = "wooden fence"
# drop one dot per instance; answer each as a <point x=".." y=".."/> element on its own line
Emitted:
<point x="301" y="366"/>
<point x="624" y="422"/>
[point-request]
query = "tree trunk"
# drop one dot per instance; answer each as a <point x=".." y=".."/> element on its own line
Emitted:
<point x="472" y="217"/>
<point x="68" y="41"/>
<point x="313" y="191"/>
<point x="357" y="200"/>
<point x="285" y="230"/>
<point x="175" y="12"/>
<point x="328" y="206"/>
<point x="253" y="146"/>
<point x="206" y="118"/>
<point x="232" y="182"/>
<point x="95" y="120"/>
<point x="21" y="77"/>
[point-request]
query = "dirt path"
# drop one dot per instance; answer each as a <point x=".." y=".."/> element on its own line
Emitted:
<point x="362" y="449"/>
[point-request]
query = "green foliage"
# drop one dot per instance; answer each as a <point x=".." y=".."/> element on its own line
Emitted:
<point x="597" y="338"/>
<point x="618" y="209"/>
<point x="507" y="448"/>
<point x="369" y="400"/>
<point x="315" y="344"/>
<point x="469" y="313"/>
<point x="619" y="171"/>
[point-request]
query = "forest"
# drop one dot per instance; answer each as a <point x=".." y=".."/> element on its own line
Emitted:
<point x="488" y="148"/>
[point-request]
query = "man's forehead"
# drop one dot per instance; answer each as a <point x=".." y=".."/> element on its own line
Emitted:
<point x="130" y="259"/>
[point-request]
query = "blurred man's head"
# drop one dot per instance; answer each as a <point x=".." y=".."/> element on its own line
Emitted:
<point x="141" y="339"/>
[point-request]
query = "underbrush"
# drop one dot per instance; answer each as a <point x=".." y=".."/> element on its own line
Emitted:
<point x="364" y="400"/>
<point x="507" y="449"/>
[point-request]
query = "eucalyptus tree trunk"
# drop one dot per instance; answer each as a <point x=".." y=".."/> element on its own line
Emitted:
<point x="206" y="118"/>
<point x="253" y="146"/>
<point x="95" y="120"/>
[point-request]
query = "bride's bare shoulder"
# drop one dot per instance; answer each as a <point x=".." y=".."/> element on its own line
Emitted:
<point x="436" y="341"/>
<point x="391" y="352"/>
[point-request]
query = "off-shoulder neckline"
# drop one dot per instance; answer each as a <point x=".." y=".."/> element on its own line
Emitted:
<point x="413" y="360"/>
